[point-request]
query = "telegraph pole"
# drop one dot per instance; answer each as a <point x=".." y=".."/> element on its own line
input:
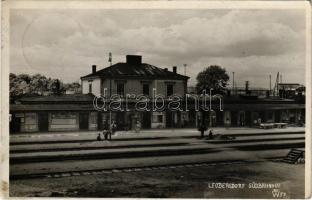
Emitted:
<point x="270" y="85"/>
<point x="110" y="91"/>
<point x="233" y="82"/>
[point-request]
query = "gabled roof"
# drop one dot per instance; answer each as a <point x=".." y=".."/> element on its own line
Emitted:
<point x="143" y="70"/>
<point x="288" y="83"/>
<point x="51" y="107"/>
<point x="64" y="98"/>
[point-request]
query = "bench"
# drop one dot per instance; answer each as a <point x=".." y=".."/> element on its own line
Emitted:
<point x="280" y="125"/>
<point x="267" y="125"/>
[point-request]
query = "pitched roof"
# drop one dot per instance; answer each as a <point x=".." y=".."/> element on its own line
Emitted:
<point x="143" y="70"/>
<point x="64" y="98"/>
<point x="51" y="107"/>
<point x="90" y="107"/>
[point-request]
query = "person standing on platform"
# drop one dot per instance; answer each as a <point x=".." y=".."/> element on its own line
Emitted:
<point x="137" y="126"/>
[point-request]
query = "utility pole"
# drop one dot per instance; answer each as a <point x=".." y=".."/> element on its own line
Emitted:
<point x="233" y="83"/>
<point x="110" y="91"/>
<point x="270" y="85"/>
<point x="277" y="84"/>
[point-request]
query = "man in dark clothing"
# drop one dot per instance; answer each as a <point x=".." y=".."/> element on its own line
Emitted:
<point x="202" y="129"/>
<point x="210" y="136"/>
<point x="202" y="125"/>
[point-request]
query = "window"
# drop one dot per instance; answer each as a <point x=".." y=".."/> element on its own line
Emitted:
<point x="146" y="89"/>
<point x="120" y="89"/>
<point x="90" y="87"/>
<point x="93" y="118"/>
<point x="63" y="118"/>
<point x="30" y="118"/>
<point x="30" y="121"/>
<point x="169" y="90"/>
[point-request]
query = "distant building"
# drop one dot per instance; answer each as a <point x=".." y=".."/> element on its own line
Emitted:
<point x="291" y="90"/>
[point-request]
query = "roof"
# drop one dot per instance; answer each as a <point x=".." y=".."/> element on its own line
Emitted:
<point x="289" y="84"/>
<point x="90" y="107"/>
<point x="51" y="107"/>
<point x="64" y="98"/>
<point x="143" y="70"/>
<point x="261" y="107"/>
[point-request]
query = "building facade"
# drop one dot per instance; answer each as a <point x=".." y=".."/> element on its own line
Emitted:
<point x="135" y="78"/>
<point x="75" y="112"/>
<point x="53" y="113"/>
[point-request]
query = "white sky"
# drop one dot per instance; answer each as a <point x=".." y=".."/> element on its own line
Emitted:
<point x="253" y="43"/>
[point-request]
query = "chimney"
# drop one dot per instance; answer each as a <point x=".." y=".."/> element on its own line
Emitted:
<point x="174" y="69"/>
<point x="134" y="60"/>
<point x="93" y="69"/>
<point x="246" y="86"/>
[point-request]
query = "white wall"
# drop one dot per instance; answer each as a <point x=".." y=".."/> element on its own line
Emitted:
<point x="161" y="87"/>
<point x="64" y="124"/>
<point x="132" y="86"/>
<point x="96" y="86"/>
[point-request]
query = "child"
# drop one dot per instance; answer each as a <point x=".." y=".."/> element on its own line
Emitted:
<point x="99" y="137"/>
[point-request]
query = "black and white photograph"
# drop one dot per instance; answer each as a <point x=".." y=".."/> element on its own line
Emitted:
<point x="161" y="100"/>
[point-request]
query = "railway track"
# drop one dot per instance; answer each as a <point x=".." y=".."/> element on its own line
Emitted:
<point x="134" y="169"/>
<point x="48" y="160"/>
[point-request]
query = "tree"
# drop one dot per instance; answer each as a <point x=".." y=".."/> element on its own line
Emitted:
<point x="24" y="84"/>
<point x="57" y="88"/>
<point x="213" y="77"/>
<point x="19" y="84"/>
<point x="38" y="84"/>
<point x="74" y="87"/>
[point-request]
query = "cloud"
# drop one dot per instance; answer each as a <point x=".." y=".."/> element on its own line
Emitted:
<point x="53" y="42"/>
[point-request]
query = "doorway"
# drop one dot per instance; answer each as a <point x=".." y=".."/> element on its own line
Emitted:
<point x="146" y="120"/>
<point x="15" y="124"/>
<point x="234" y="118"/>
<point x="83" y="121"/>
<point x="43" y="121"/>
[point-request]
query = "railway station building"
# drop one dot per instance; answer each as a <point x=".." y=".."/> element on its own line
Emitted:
<point x="75" y="112"/>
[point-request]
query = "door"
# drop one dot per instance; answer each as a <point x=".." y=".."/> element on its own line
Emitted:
<point x="15" y="124"/>
<point x="43" y="121"/>
<point x="169" y="119"/>
<point x="278" y="116"/>
<point x="120" y="120"/>
<point x="234" y="118"/>
<point x="242" y="118"/>
<point x="219" y="118"/>
<point x="146" y="120"/>
<point x="262" y="116"/>
<point x="83" y="121"/>
<point x="100" y="121"/>
<point x="248" y="118"/>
